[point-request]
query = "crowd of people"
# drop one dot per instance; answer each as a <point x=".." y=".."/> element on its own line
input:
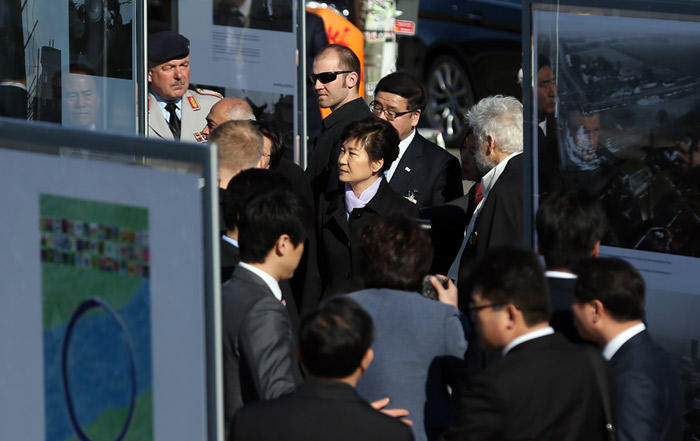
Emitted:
<point x="335" y="325"/>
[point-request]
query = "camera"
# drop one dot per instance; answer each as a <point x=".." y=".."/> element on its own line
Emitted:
<point x="428" y="289"/>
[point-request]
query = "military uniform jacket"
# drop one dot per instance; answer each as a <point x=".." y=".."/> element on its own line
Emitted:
<point x="195" y="107"/>
<point x="338" y="262"/>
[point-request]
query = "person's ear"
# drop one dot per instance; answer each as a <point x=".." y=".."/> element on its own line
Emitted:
<point x="377" y="165"/>
<point x="490" y="145"/>
<point x="150" y="74"/>
<point x="596" y="250"/>
<point x="598" y="310"/>
<point x="513" y="313"/>
<point x="415" y="117"/>
<point x="367" y="359"/>
<point x="283" y="244"/>
<point x="352" y="79"/>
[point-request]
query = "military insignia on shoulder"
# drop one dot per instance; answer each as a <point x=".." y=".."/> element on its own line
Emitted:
<point x="209" y="92"/>
<point x="200" y="137"/>
<point x="193" y="102"/>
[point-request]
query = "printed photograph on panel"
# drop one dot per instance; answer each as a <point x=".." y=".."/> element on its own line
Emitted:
<point x="100" y="37"/>
<point x="618" y="106"/>
<point x="266" y="15"/>
<point x="96" y="320"/>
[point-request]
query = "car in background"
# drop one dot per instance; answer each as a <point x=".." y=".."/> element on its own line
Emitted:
<point x="463" y="50"/>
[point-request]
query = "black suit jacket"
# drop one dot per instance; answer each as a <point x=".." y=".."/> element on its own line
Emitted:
<point x="231" y="255"/>
<point x="561" y="295"/>
<point x="338" y="262"/>
<point x="428" y="172"/>
<point x="306" y="283"/>
<point x="320" y="410"/>
<point x="649" y="393"/>
<point x="258" y="345"/>
<point x="500" y="221"/>
<point x="544" y="389"/>
<point x="322" y="168"/>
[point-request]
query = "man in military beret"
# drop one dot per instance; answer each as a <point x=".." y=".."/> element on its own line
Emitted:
<point x="174" y="111"/>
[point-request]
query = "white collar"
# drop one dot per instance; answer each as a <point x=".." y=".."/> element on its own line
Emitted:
<point x="543" y="126"/>
<point x="230" y="240"/>
<point x="490" y="178"/>
<point x="403" y="146"/>
<point x="537" y="333"/>
<point x="560" y="275"/>
<point x="268" y="279"/>
<point x="620" y="339"/>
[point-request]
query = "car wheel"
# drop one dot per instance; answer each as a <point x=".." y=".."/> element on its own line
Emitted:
<point x="450" y="95"/>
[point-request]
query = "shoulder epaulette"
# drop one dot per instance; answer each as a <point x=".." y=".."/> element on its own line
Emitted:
<point x="209" y="92"/>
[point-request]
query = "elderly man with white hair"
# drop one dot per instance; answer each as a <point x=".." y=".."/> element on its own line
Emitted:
<point x="497" y="123"/>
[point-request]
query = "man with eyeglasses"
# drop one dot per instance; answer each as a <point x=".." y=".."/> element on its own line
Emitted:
<point x="336" y="81"/>
<point x="424" y="173"/>
<point x="544" y="387"/>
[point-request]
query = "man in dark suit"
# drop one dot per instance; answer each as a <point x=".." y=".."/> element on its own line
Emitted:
<point x="570" y="227"/>
<point x="608" y="307"/>
<point x="497" y="123"/>
<point x="269" y="15"/>
<point x="424" y="173"/>
<point x="258" y="344"/>
<point x="242" y="187"/>
<point x="335" y="348"/>
<point x="336" y="81"/>
<point x="549" y="159"/>
<point x="544" y="387"/>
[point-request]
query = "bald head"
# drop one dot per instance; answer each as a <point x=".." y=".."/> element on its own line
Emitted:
<point x="228" y="109"/>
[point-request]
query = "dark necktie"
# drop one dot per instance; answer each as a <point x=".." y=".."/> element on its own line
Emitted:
<point x="174" y="120"/>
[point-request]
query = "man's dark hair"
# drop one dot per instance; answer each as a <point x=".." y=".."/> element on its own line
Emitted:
<point x="615" y="282"/>
<point x="395" y="253"/>
<point x="334" y="338"/>
<point x="275" y="137"/>
<point x="379" y="138"/>
<point x="244" y="185"/>
<point x="268" y="215"/>
<point x="405" y="86"/>
<point x="543" y="61"/>
<point x="568" y="227"/>
<point x="514" y="275"/>
<point x="347" y="59"/>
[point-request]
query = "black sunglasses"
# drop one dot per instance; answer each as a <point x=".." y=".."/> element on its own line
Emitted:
<point x="326" y="77"/>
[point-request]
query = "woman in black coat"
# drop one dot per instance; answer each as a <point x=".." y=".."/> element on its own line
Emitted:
<point x="368" y="148"/>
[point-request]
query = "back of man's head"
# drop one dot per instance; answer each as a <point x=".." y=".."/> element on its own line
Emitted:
<point x="334" y="339"/>
<point x="615" y="283"/>
<point x="569" y="226"/>
<point x="395" y="253"/>
<point x="242" y="187"/>
<point x="347" y="60"/>
<point x="405" y="86"/>
<point x="236" y="109"/>
<point x="240" y="145"/>
<point x="269" y="215"/>
<point x="500" y="117"/>
<point x="514" y="275"/>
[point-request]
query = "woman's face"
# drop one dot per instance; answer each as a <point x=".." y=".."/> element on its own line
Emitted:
<point x="355" y="165"/>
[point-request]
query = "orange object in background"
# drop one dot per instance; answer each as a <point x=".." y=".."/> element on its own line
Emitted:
<point x="340" y="31"/>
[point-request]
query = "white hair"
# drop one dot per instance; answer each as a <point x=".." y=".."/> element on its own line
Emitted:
<point x="500" y="117"/>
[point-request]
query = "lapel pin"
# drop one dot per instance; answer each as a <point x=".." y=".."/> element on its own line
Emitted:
<point x="408" y="169"/>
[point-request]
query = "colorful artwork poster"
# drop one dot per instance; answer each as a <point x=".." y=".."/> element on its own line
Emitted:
<point x="96" y="312"/>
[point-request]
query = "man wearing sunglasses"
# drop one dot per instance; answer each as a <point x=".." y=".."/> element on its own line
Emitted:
<point x="424" y="173"/>
<point x="544" y="387"/>
<point x="335" y="79"/>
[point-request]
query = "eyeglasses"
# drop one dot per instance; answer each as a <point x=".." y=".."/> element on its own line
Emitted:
<point x="474" y="310"/>
<point x="391" y="115"/>
<point x="326" y="77"/>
